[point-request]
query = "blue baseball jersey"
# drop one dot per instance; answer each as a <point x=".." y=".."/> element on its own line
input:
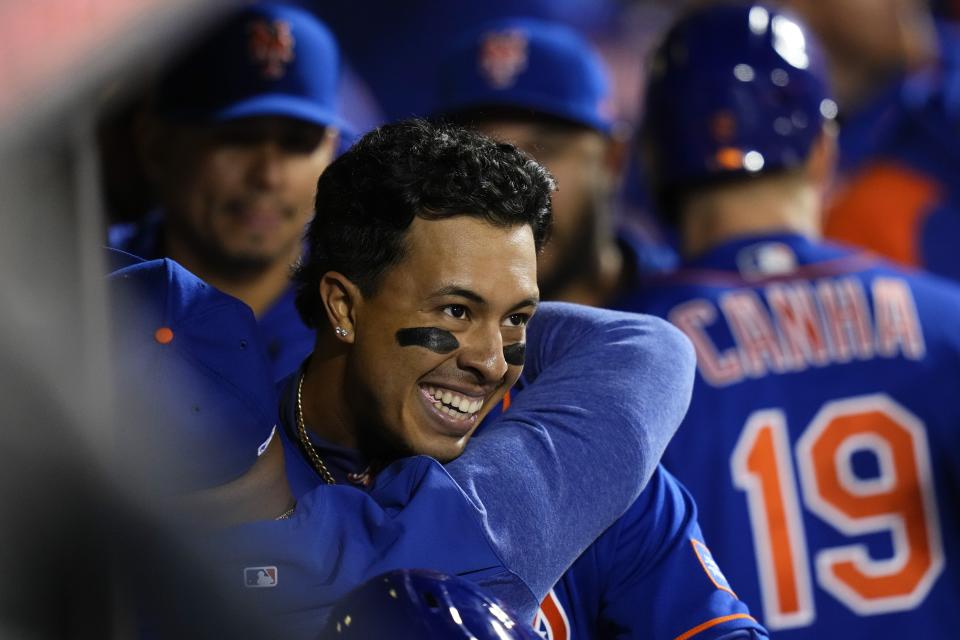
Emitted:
<point x="822" y="443"/>
<point x="650" y="575"/>
<point x="898" y="193"/>
<point x="531" y="491"/>
<point x="286" y="339"/>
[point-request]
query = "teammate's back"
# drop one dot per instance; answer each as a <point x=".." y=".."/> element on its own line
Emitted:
<point x="822" y="442"/>
<point x="823" y="434"/>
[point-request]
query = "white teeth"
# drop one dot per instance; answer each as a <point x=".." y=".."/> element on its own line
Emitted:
<point x="452" y="403"/>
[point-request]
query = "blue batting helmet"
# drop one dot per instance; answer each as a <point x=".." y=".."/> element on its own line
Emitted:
<point x="412" y="604"/>
<point x="733" y="90"/>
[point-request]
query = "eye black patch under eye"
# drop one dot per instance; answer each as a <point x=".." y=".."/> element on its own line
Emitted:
<point x="433" y="338"/>
<point x="515" y="354"/>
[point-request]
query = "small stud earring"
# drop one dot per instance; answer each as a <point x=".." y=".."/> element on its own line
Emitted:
<point x="340" y="331"/>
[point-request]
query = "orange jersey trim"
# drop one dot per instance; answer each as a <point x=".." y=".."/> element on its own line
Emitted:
<point x="712" y="623"/>
<point x="506" y="400"/>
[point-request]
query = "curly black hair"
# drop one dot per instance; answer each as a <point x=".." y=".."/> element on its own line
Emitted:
<point x="369" y="196"/>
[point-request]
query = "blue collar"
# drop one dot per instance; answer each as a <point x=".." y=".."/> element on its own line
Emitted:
<point x="348" y="466"/>
<point x="766" y="252"/>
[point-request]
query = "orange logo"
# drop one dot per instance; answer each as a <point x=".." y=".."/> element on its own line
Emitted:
<point x="503" y="55"/>
<point x="551" y="620"/>
<point x="271" y="47"/>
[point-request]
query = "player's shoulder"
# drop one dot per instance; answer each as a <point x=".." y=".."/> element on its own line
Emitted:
<point x="663" y="510"/>
<point x="936" y="297"/>
<point x="617" y="328"/>
<point x="936" y="287"/>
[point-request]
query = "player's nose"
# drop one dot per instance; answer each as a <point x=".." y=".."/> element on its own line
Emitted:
<point x="482" y="353"/>
<point x="268" y="164"/>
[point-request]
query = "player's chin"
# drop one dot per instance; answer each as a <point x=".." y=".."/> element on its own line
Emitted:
<point x="444" y="448"/>
<point x="251" y="252"/>
<point x="257" y="243"/>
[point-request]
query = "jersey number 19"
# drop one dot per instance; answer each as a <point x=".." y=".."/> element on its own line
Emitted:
<point x="898" y="500"/>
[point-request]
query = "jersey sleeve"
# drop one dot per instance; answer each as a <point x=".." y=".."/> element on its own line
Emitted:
<point x="603" y="393"/>
<point x="660" y="580"/>
<point x="289" y="573"/>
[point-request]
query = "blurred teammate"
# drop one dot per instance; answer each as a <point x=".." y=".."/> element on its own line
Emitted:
<point x="821" y="442"/>
<point x="895" y="72"/>
<point x="195" y="395"/>
<point x="241" y="129"/>
<point x="540" y="86"/>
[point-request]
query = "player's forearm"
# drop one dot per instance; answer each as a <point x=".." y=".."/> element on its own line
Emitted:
<point x="606" y="392"/>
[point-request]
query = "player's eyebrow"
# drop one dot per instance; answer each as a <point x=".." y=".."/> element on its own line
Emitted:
<point x="473" y="296"/>
<point x="454" y="290"/>
<point x="532" y="301"/>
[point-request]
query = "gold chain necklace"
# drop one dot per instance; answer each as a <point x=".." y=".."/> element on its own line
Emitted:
<point x="312" y="454"/>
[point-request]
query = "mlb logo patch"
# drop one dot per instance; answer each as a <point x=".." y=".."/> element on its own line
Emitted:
<point x="259" y="577"/>
<point x="765" y="260"/>
<point x="710" y="567"/>
<point x="503" y="56"/>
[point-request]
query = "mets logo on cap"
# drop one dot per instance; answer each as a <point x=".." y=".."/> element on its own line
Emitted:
<point x="270" y="47"/>
<point x="503" y="56"/>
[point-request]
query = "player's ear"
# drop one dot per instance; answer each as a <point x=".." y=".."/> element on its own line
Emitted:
<point x="331" y="141"/>
<point x="341" y="299"/>
<point x="618" y="152"/>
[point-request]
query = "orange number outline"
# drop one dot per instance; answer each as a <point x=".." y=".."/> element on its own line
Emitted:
<point x="780" y="544"/>
<point x="897" y="437"/>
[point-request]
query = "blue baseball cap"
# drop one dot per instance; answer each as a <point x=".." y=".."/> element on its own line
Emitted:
<point x="526" y="64"/>
<point x="265" y="60"/>
<point x="195" y="380"/>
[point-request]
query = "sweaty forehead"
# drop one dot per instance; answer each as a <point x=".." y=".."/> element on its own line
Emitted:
<point x="498" y="263"/>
